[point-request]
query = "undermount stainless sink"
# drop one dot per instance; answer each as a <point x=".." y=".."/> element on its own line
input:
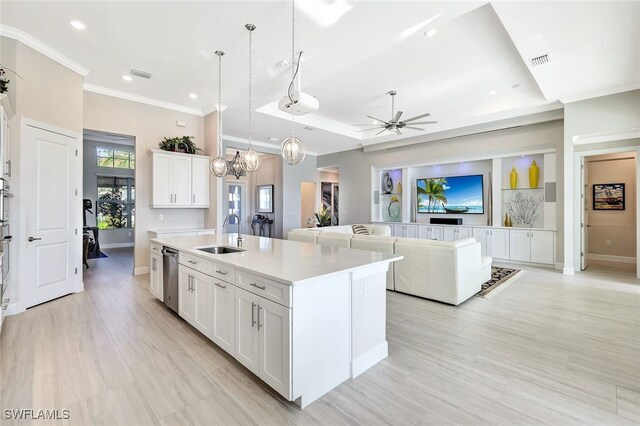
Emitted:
<point x="221" y="249"/>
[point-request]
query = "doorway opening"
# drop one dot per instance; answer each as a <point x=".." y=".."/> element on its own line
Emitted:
<point x="109" y="197"/>
<point x="609" y="212"/>
<point x="329" y="196"/>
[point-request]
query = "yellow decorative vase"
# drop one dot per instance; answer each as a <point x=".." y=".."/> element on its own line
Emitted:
<point x="399" y="188"/>
<point x="534" y="172"/>
<point x="513" y="178"/>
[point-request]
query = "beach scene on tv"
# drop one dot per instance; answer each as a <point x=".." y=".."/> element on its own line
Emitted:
<point x="456" y="194"/>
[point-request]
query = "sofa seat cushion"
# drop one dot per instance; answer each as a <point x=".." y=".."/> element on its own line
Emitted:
<point x="485" y="262"/>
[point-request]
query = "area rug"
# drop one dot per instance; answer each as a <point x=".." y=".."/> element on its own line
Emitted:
<point x="500" y="279"/>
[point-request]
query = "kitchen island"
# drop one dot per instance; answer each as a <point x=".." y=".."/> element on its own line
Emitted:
<point x="302" y="317"/>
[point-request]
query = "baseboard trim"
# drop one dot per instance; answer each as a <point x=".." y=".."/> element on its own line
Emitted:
<point x="15" y="308"/>
<point x="116" y="245"/>
<point x="368" y="360"/>
<point x="141" y="271"/>
<point x="568" y="271"/>
<point x="610" y="258"/>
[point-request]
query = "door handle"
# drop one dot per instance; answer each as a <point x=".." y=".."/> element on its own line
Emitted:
<point x="32" y="239"/>
<point x="253" y="319"/>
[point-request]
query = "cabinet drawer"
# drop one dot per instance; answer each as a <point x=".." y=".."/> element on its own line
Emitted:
<point x="156" y="249"/>
<point x="197" y="263"/>
<point x="225" y="273"/>
<point x="274" y="291"/>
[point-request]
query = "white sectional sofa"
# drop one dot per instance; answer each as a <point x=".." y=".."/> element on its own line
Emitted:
<point x="449" y="272"/>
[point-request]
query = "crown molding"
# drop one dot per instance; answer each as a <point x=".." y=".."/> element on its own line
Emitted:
<point x="39" y="46"/>
<point x="245" y="141"/>
<point x="141" y="99"/>
<point x="616" y="135"/>
<point x="600" y="93"/>
<point x="215" y="108"/>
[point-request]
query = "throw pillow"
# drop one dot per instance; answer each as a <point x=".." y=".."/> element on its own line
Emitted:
<point x="359" y="230"/>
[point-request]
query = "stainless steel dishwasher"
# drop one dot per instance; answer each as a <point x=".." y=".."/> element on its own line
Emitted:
<point x="170" y="278"/>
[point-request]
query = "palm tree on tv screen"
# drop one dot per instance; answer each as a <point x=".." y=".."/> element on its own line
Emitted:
<point x="434" y="190"/>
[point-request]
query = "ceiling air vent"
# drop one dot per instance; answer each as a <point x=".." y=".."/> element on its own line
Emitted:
<point x="142" y="74"/>
<point x="539" y="60"/>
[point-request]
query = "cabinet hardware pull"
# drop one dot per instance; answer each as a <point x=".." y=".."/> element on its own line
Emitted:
<point x="259" y="325"/>
<point x="192" y="262"/>
<point x="220" y="285"/>
<point x="193" y="198"/>
<point x="153" y="264"/>
<point x="220" y="272"/>
<point x="253" y="319"/>
<point x="257" y="286"/>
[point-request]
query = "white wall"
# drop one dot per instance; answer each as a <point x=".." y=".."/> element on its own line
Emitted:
<point x="291" y="199"/>
<point x="269" y="173"/>
<point x="107" y="237"/>
<point x="148" y="124"/>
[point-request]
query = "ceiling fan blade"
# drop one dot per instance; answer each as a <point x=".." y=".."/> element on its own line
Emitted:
<point x="397" y="117"/>
<point x="424" y="122"/>
<point x="398" y="132"/>
<point x="413" y="128"/>
<point x="377" y="119"/>
<point x="417" y="117"/>
<point x="381" y="131"/>
<point x="366" y="130"/>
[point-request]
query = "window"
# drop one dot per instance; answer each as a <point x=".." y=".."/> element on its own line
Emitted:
<point x="116" y="202"/>
<point x="116" y="158"/>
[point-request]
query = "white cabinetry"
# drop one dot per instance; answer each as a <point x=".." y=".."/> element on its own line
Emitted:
<point x="494" y="242"/>
<point x="431" y="232"/>
<point x="195" y="298"/>
<point x="186" y="295"/>
<point x="531" y="246"/>
<point x="179" y="180"/>
<point x="405" y="231"/>
<point x="223" y="315"/>
<point x="452" y="233"/>
<point x="155" y="278"/>
<point x="263" y="343"/>
<point x="5" y="162"/>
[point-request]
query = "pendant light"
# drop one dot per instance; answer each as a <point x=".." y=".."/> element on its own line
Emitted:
<point x="218" y="165"/>
<point x="293" y="150"/>
<point x="250" y="158"/>
<point x="236" y="166"/>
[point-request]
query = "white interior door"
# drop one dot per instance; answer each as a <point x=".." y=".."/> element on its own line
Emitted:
<point x="49" y="169"/>
<point x="584" y="215"/>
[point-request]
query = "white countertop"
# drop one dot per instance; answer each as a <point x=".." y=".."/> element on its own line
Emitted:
<point x="289" y="262"/>
<point x="173" y="231"/>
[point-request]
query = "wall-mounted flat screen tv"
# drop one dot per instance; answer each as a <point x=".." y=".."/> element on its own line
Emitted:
<point x="454" y="194"/>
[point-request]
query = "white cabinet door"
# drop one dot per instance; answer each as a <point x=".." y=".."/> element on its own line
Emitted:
<point x="186" y="295"/>
<point x="542" y="246"/>
<point x="202" y="286"/>
<point x="155" y="277"/>
<point x="181" y="180"/>
<point x="483" y="237"/>
<point x="162" y="185"/>
<point x="247" y="339"/>
<point x="464" y="233"/>
<point x="519" y="245"/>
<point x="436" y="233"/>
<point x="200" y="178"/>
<point x="450" y="233"/>
<point x="424" y="232"/>
<point x="499" y="244"/>
<point x="411" y="231"/>
<point x="223" y="315"/>
<point x="274" y="326"/>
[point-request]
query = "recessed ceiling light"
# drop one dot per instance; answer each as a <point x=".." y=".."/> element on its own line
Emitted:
<point x="126" y="77"/>
<point x="78" y="25"/>
<point x="492" y="92"/>
<point x="431" y="33"/>
<point x="193" y="96"/>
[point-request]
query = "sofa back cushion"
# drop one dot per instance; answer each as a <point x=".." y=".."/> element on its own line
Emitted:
<point x="382" y="230"/>
<point x="303" y="235"/>
<point x="336" y="239"/>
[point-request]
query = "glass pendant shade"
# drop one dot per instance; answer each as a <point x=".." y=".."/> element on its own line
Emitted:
<point x="293" y="150"/>
<point x="218" y="167"/>
<point x="251" y="160"/>
<point x="236" y="166"/>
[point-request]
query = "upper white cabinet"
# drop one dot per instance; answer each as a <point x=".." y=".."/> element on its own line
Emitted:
<point x="5" y="162"/>
<point x="179" y="180"/>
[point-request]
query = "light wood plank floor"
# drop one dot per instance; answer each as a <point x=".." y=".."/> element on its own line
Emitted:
<point x="549" y="349"/>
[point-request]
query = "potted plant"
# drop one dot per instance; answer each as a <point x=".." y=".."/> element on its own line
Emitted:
<point x="323" y="217"/>
<point x="4" y="83"/>
<point x="180" y="144"/>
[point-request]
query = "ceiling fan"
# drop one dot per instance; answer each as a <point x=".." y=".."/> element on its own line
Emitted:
<point x="394" y="125"/>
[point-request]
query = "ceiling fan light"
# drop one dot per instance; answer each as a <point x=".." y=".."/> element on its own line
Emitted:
<point x="293" y="150"/>
<point x="251" y="160"/>
<point x="218" y="167"/>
